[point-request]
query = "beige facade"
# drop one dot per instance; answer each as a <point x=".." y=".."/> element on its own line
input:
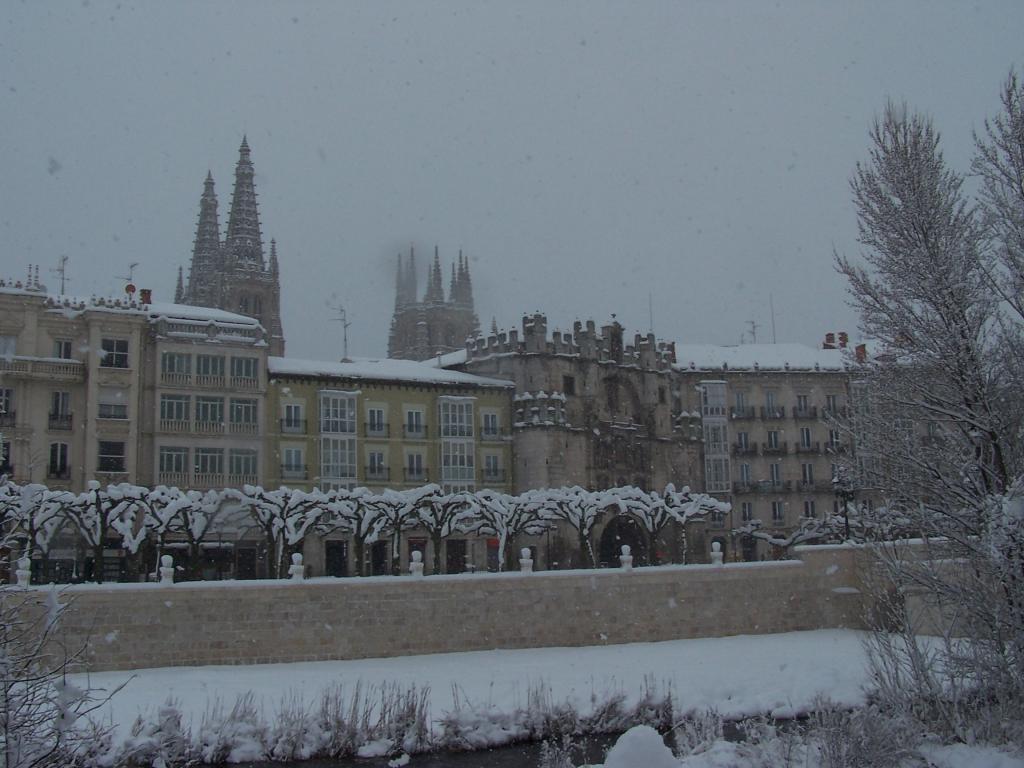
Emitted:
<point x="387" y="424"/>
<point x="768" y="445"/>
<point x="108" y="390"/>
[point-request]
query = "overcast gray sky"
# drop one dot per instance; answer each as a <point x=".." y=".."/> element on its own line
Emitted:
<point x="584" y="155"/>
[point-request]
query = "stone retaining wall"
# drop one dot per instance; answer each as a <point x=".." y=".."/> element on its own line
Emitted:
<point x="148" y="625"/>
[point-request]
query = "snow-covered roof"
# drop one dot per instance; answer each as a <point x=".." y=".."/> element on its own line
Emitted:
<point x="458" y="357"/>
<point x="171" y="311"/>
<point x="764" y="357"/>
<point x="381" y="370"/>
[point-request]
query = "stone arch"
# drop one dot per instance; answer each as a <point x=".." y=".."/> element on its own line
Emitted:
<point x="622" y="529"/>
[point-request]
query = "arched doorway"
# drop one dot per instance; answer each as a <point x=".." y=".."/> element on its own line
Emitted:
<point x="622" y="530"/>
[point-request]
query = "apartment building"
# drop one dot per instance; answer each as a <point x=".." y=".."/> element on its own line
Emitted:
<point x="387" y="424"/>
<point x="769" y="446"/>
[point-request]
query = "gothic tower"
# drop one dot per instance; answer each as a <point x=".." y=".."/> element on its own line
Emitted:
<point x="434" y="326"/>
<point x="232" y="275"/>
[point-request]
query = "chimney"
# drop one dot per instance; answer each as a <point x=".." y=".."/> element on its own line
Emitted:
<point x="861" y="353"/>
<point x="844" y="339"/>
<point x="830" y="341"/>
<point x="146" y="295"/>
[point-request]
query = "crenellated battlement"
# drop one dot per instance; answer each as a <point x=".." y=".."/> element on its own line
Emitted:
<point x="585" y="341"/>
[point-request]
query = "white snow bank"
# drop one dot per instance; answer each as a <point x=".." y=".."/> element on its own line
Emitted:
<point x="640" y="746"/>
<point x="737" y="676"/>
<point x="381" y="370"/>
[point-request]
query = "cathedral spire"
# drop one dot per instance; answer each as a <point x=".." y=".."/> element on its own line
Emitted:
<point x="435" y="286"/>
<point x="453" y="286"/>
<point x="399" y="284"/>
<point x="410" y="277"/>
<point x="274" y="268"/>
<point x="244" y="243"/>
<point x="179" y="289"/>
<point x="206" y="253"/>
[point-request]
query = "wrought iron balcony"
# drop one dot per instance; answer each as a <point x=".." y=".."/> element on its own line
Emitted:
<point x="779" y="449"/>
<point x="415" y="433"/>
<point x="59" y="421"/>
<point x="415" y="475"/>
<point x="293" y="426"/>
<point x="806" y="413"/>
<point x="809" y="448"/>
<point x="775" y="412"/>
<point x="743" y="413"/>
<point x="376" y="430"/>
<point x="293" y="472"/>
<point x="378" y="473"/>
<point x="738" y="449"/>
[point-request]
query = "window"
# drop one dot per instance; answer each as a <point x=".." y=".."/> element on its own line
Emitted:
<point x="375" y="464"/>
<point x="57" y="466"/>
<point x="243" y="367"/>
<point x="338" y="458"/>
<point x="456" y="418"/>
<point x="834" y="438"/>
<point x="830" y="403"/>
<point x="805" y="437"/>
<point x="809" y="510"/>
<point x="173" y="460"/>
<point x="375" y="421"/>
<point x="414" y="423"/>
<point x="747" y="511"/>
<point x="414" y="466"/>
<point x="662" y="395"/>
<point x="569" y="385"/>
<point x="114" y="353"/>
<point x="717" y="471"/>
<point x="778" y="512"/>
<point x="457" y="465"/>
<point x="243" y="411"/>
<point x="769" y="400"/>
<point x="490" y="424"/>
<point x="210" y="410"/>
<point x="743" y="441"/>
<point x="713" y="398"/>
<point x="294" y="420"/>
<point x="741" y="401"/>
<point x="8" y="344"/>
<point x="807" y="474"/>
<point x="113" y="403"/>
<point x="775" y="473"/>
<point x="175" y="363"/>
<point x="801" y="403"/>
<point x="292" y="460"/>
<point x="62" y="349"/>
<point x="210" y="365"/>
<point x="242" y="462"/>
<point x="111" y="456"/>
<point x="744" y="473"/>
<point x="714" y="439"/>
<point x="6" y="400"/>
<point x="209" y="461"/>
<point x="174" y="407"/>
<point x="338" y="413"/>
<point x="773" y="439"/>
<point x="5" y="458"/>
<point x="491" y="468"/>
<point x="60" y="403"/>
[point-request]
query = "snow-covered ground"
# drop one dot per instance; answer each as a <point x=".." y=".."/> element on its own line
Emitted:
<point x="780" y="675"/>
<point x="738" y="676"/>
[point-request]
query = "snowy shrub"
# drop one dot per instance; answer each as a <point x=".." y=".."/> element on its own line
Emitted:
<point x="864" y="737"/>
<point x="233" y="737"/>
<point x="545" y="719"/>
<point x="296" y="733"/>
<point x="343" y="720"/>
<point x="558" y="753"/>
<point x="161" y="744"/>
<point x="696" y="733"/>
<point x="404" y="718"/>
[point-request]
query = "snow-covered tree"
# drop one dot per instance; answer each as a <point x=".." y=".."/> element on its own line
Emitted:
<point x="399" y="511"/>
<point x="284" y="516"/>
<point x="937" y="408"/>
<point x="442" y="514"/>
<point x="506" y="517"/>
<point x="581" y="510"/>
<point x="656" y="511"/>
<point x="96" y="512"/>
<point x="355" y="513"/>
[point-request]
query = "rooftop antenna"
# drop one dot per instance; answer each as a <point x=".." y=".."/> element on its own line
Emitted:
<point x="345" y="323"/>
<point x="61" y="271"/>
<point x="650" y="311"/>
<point x="131" y="273"/>
<point x="771" y="307"/>
<point x="753" y="331"/>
